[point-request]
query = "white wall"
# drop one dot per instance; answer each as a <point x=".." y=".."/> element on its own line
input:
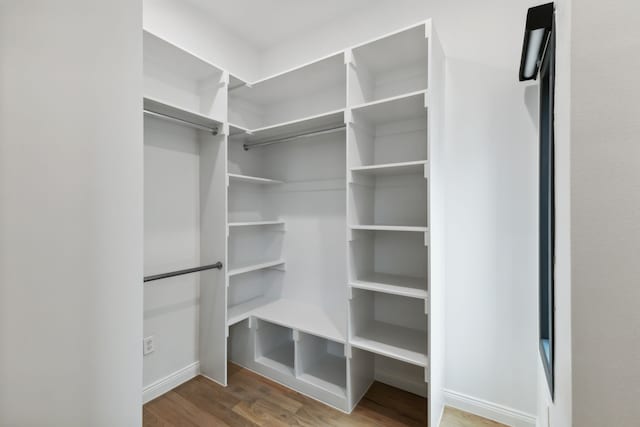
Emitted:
<point x="605" y="213"/>
<point x="70" y="213"/>
<point x="341" y="33"/>
<point x="491" y="235"/>
<point x="171" y="242"/>
<point x="196" y="30"/>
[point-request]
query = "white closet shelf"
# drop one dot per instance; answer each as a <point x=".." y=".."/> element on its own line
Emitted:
<point x="254" y="267"/>
<point x="235" y="82"/>
<point x="172" y="112"/>
<point x="280" y="358"/>
<point x="239" y="312"/>
<point x="407" y="46"/>
<point x="254" y="223"/>
<point x="397" y="108"/>
<point x="176" y="60"/>
<point x="327" y="373"/>
<point x="396" y="342"/>
<point x="403" y="168"/>
<point x="235" y="130"/>
<point x="252" y="179"/>
<point x="414" y="287"/>
<point x="304" y="80"/>
<point x="298" y="126"/>
<point x="291" y="314"/>
<point x="390" y="228"/>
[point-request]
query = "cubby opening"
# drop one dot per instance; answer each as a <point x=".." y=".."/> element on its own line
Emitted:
<point x="405" y="376"/>
<point x="275" y="347"/>
<point x="392" y="262"/>
<point x="399" y="200"/>
<point x="322" y="363"/>
<point x="392" y="133"/>
<point x="307" y="91"/>
<point x="389" y="67"/>
<point x="390" y="325"/>
<point x="175" y="77"/>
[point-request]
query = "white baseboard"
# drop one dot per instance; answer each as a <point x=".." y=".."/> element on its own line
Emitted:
<point x="493" y="411"/>
<point x="170" y="382"/>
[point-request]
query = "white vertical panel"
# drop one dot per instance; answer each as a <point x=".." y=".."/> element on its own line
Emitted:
<point x="436" y="213"/>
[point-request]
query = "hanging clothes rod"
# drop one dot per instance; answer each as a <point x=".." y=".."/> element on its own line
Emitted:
<point x="339" y="128"/>
<point x="213" y="130"/>
<point x="217" y="265"/>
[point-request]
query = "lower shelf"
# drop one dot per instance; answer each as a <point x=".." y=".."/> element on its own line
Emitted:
<point x="292" y="314"/>
<point x="238" y="313"/>
<point x="396" y="342"/>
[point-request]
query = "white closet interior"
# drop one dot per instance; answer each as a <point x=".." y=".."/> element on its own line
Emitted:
<point x="318" y="190"/>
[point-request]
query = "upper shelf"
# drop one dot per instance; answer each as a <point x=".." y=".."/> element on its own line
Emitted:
<point x="394" y="109"/>
<point x="310" y="90"/>
<point x="305" y="80"/>
<point x="176" y="60"/>
<point x="406" y="47"/>
<point x="389" y="66"/>
<point x="291" y="130"/>
<point x="181" y="116"/>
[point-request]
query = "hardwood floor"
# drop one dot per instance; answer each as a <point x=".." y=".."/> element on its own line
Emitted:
<point x="251" y="400"/>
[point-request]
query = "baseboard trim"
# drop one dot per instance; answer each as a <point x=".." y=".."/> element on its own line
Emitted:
<point x="170" y="382"/>
<point x="493" y="411"/>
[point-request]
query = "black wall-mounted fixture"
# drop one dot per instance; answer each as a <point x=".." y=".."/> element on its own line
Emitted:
<point x="536" y="37"/>
<point x="538" y="60"/>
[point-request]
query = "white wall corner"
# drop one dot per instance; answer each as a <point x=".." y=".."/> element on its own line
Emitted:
<point x="493" y="411"/>
<point x="170" y="382"/>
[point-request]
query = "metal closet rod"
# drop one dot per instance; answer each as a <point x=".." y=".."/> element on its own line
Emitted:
<point x="213" y="130"/>
<point x="217" y="265"/>
<point x="294" y="137"/>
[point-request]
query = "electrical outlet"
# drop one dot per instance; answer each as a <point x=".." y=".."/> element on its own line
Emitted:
<point x="148" y="345"/>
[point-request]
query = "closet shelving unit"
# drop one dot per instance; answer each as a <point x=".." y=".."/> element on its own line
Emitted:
<point x="330" y="225"/>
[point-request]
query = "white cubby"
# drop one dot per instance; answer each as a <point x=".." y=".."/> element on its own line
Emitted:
<point x="275" y="347"/>
<point x="310" y="90"/>
<point x="176" y="77"/>
<point x="389" y="132"/>
<point x="389" y="200"/>
<point x="322" y="363"/>
<point x="389" y="66"/>
<point x="396" y="260"/>
<point x="390" y="325"/>
<point x="368" y="366"/>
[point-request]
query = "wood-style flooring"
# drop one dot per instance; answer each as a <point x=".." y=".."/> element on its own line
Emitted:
<point x="251" y="400"/>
